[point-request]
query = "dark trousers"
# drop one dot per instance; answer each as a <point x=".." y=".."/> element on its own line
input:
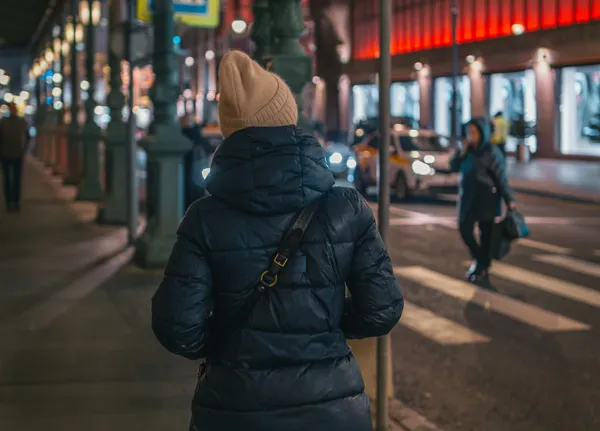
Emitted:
<point x="480" y="251"/>
<point x="12" y="170"/>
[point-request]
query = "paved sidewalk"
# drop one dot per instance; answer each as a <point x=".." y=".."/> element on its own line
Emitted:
<point x="76" y="352"/>
<point x="565" y="179"/>
<point x="76" y="349"/>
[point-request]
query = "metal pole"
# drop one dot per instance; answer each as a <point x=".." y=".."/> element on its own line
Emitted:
<point x="456" y="121"/>
<point x="132" y="183"/>
<point x="385" y="71"/>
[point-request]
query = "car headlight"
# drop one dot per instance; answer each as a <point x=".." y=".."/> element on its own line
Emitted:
<point x="429" y="159"/>
<point x="351" y="163"/>
<point x="421" y="168"/>
<point x="336" y="158"/>
<point x="205" y="172"/>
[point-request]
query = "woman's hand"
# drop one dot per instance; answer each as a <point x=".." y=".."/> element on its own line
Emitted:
<point x="513" y="205"/>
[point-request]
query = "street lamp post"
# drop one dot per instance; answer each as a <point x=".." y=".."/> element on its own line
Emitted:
<point x="74" y="35"/>
<point x="455" y="120"/>
<point x="114" y="210"/>
<point x="261" y="30"/>
<point x="385" y="72"/>
<point x="51" y="118"/>
<point x="289" y="59"/>
<point x="90" y="189"/>
<point x="165" y="146"/>
<point x="61" y="50"/>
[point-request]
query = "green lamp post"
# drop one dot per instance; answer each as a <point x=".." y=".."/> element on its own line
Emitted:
<point x="165" y="146"/>
<point x="114" y="210"/>
<point x="90" y="188"/>
<point x="74" y="34"/>
<point x="277" y="30"/>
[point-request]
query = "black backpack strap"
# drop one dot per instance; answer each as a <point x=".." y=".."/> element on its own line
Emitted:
<point x="270" y="277"/>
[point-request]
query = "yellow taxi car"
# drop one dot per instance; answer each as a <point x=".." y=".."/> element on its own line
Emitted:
<point x="419" y="162"/>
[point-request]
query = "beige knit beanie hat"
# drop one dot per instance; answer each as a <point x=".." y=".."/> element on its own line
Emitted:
<point x="251" y="96"/>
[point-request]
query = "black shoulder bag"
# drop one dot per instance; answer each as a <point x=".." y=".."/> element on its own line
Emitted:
<point x="286" y="250"/>
<point x="270" y="277"/>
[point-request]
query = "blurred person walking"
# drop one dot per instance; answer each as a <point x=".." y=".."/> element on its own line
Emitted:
<point x="500" y="133"/>
<point x="195" y="160"/>
<point x="256" y="283"/>
<point x="14" y="140"/>
<point x="483" y="185"/>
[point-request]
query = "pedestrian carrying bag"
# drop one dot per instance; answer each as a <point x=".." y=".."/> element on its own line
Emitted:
<point x="286" y="251"/>
<point x="515" y="225"/>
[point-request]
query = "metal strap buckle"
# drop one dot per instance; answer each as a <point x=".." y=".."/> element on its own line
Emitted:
<point x="280" y="260"/>
<point x="268" y="280"/>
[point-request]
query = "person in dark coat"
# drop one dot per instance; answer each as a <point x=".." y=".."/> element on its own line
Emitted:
<point x="195" y="160"/>
<point x="483" y="185"/>
<point x="289" y="366"/>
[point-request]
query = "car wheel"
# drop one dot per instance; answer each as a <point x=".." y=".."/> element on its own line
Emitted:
<point x="401" y="192"/>
<point x="359" y="183"/>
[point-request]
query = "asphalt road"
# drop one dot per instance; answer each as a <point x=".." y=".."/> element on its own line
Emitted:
<point x="523" y="358"/>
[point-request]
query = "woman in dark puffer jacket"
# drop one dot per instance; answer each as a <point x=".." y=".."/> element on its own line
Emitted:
<point x="288" y="367"/>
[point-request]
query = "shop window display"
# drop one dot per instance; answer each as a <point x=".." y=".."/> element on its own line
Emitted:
<point x="580" y="110"/>
<point x="365" y="102"/>
<point x="442" y="88"/>
<point x="513" y="94"/>
<point x="404" y="99"/>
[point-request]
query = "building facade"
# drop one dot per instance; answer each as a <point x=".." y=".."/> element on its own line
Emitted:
<point x="536" y="61"/>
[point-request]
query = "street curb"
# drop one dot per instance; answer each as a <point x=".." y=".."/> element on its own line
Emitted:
<point x="403" y="418"/>
<point x="557" y="195"/>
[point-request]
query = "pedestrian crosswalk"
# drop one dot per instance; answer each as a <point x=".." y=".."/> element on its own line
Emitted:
<point x="444" y="331"/>
<point x="492" y="301"/>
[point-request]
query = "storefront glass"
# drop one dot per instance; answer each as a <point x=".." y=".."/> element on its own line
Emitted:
<point x="580" y="110"/>
<point x="442" y="88"/>
<point x="405" y="100"/>
<point x="513" y="94"/>
<point x="365" y="101"/>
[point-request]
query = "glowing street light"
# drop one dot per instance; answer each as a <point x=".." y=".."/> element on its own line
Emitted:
<point x="209" y="55"/>
<point x="518" y="29"/>
<point x="239" y="26"/>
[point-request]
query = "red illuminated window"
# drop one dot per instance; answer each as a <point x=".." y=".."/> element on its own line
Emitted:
<point x="582" y="10"/>
<point x="493" y="18"/>
<point x="549" y="13"/>
<point x="518" y="12"/>
<point x="595" y="10"/>
<point x="481" y="24"/>
<point x="446" y="22"/>
<point x="566" y="12"/>
<point x="505" y="17"/>
<point x="408" y="26"/>
<point x="437" y="24"/>
<point x="465" y="18"/>
<point x="532" y="11"/>
<point x="427" y="31"/>
<point x="417" y="19"/>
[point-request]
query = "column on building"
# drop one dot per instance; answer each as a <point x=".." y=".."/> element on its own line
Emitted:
<point x="545" y="105"/>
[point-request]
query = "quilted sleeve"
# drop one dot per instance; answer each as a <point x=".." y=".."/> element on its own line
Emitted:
<point x="376" y="301"/>
<point x="183" y="302"/>
<point x="498" y="171"/>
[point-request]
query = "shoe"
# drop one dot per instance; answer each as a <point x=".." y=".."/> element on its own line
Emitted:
<point x="472" y="270"/>
<point x="481" y="278"/>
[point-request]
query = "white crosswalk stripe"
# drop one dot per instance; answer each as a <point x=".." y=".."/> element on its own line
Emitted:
<point x="546" y="283"/>
<point x="437" y="328"/>
<point x="581" y="266"/>
<point x="521" y="311"/>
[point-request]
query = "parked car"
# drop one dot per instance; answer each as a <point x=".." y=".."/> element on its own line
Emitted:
<point x="419" y="162"/>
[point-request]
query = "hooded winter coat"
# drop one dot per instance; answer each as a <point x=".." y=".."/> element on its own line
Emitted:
<point x="289" y="367"/>
<point x="483" y="179"/>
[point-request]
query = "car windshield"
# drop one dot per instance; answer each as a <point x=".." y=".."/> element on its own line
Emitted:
<point x="424" y="143"/>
